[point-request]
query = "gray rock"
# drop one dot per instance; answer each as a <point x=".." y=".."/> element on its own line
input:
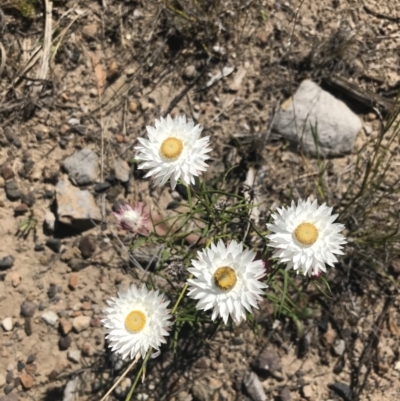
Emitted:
<point x="50" y="317"/>
<point x="64" y="343"/>
<point x="254" y="387"/>
<point x="54" y="244"/>
<point x="6" y="262"/>
<point x="315" y="115"/>
<point x="121" y="170"/>
<point x="268" y="362"/>
<point x="76" y="208"/>
<point x="102" y="186"/>
<point x="29" y="199"/>
<point x="28" y="308"/>
<point x="83" y="166"/>
<point x="72" y="389"/>
<point x="9" y="396"/>
<point x="342" y="390"/>
<point x="12" y="190"/>
<point x="74" y="355"/>
<point x="77" y="264"/>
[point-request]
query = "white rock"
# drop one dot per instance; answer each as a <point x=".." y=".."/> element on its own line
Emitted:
<point x="315" y="111"/>
<point x="7" y="324"/>
<point x="50" y="317"/>
<point x="74" y="355"/>
<point x="339" y="347"/>
<point x="50" y="220"/>
<point x="73" y="121"/>
<point x="81" y="323"/>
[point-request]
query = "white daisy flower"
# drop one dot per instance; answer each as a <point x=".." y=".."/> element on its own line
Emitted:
<point x="137" y="320"/>
<point x="173" y="151"/>
<point x="305" y="237"/>
<point x="227" y="281"/>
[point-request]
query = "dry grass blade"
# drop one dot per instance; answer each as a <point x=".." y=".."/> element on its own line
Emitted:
<point x="44" y="66"/>
<point x="100" y="74"/>
<point x="3" y="58"/>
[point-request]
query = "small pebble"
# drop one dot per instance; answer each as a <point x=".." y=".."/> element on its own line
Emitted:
<point x="49" y="221"/>
<point x="132" y="106"/>
<point x="54" y="244"/>
<point x="28" y="308"/>
<point x="123" y="388"/>
<point x="28" y="326"/>
<point x="6" y="262"/>
<point x="43" y="305"/>
<point x="12" y="190"/>
<point x="31" y="358"/>
<point x="65" y="326"/>
<point x="20" y="366"/>
<point x="339" y="347"/>
<point x="81" y="323"/>
<point x="74" y="355"/>
<point x="50" y="317"/>
<point x="52" y="291"/>
<point x="26" y="381"/>
<point x="190" y="72"/>
<point x="7" y="172"/>
<point x="121" y="170"/>
<point x="64" y="343"/>
<point x="29" y="199"/>
<point x="7" y="324"/>
<point x="73" y="281"/>
<point x="31" y="369"/>
<point x="87" y="246"/>
<point x="102" y="186"/>
<point x="15" y="279"/>
<point x="307" y="391"/>
<point x="7" y="390"/>
<point x="87" y="349"/>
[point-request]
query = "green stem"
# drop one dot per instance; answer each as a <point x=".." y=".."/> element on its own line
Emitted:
<point x="179" y="299"/>
<point x="141" y="370"/>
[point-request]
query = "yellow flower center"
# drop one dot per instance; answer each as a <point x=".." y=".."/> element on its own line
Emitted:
<point x="225" y="278"/>
<point x="306" y="233"/>
<point x="171" y="148"/>
<point x="135" y="321"/>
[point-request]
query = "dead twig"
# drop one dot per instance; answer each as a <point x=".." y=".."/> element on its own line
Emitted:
<point x="362" y="96"/>
<point x="44" y="67"/>
<point x="369" y="10"/>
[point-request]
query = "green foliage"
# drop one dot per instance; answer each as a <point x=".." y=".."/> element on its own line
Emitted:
<point x="27" y="8"/>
